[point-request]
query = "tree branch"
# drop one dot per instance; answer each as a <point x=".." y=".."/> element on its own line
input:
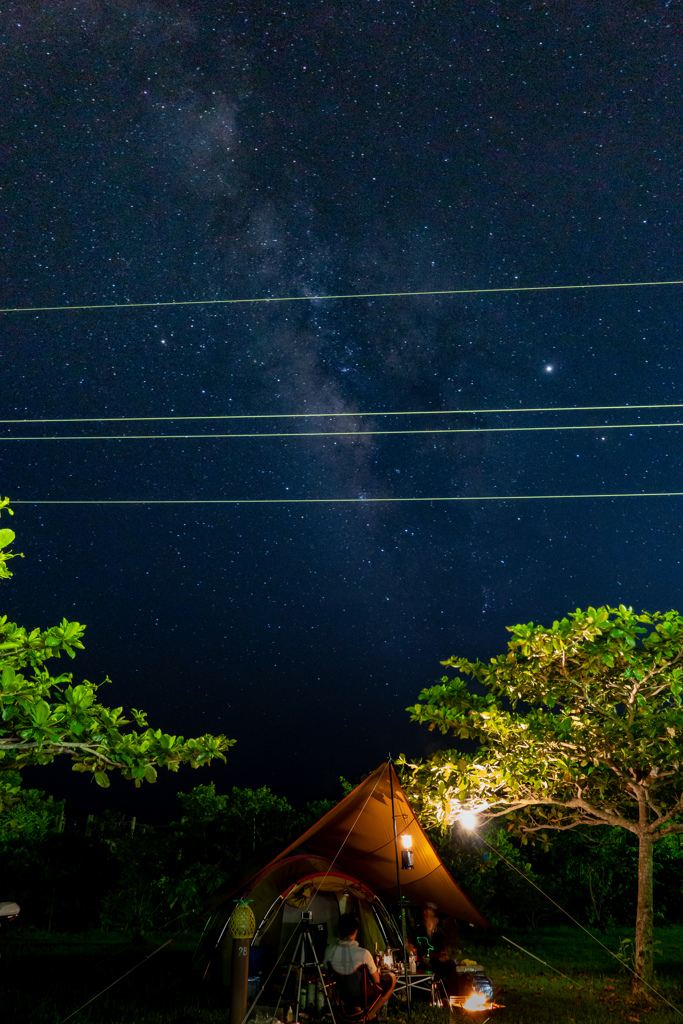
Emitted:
<point x="65" y="747"/>
<point x="671" y="830"/>
<point x="676" y="809"/>
<point x="594" y="816"/>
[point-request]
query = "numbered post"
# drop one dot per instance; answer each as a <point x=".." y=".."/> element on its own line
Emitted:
<point x="242" y="927"/>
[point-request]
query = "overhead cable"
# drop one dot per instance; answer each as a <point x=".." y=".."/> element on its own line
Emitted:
<point x="336" y="501"/>
<point x="332" y="415"/>
<point x="352" y="295"/>
<point x="337" y="433"/>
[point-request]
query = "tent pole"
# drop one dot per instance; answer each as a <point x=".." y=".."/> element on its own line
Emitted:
<point x="401" y="908"/>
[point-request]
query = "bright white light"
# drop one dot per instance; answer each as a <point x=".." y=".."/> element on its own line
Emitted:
<point x="476" y="1001"/>
<point x="407" y="841"/>
<point x="468" y="820"/>
<point x="549" y="368"/>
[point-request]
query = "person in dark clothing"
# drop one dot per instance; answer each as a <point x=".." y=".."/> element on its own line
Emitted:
<point x="433" y="950"/>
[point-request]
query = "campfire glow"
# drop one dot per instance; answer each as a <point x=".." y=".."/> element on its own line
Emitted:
<point x="476" y="1001"/>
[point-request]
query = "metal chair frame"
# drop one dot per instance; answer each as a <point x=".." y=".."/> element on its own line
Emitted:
<point x="354" y="995"/>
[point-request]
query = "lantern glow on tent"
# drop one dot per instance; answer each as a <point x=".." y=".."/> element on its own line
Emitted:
<point x="407" y="852"/>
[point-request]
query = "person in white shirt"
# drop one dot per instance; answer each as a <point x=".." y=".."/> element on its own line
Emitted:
<point x="346" y="956"/>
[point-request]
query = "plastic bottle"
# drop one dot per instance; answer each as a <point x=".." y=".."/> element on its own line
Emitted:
<point x="319" y="998"/>
<point x="290" y="1014"/>
<point x="310" y="995"/>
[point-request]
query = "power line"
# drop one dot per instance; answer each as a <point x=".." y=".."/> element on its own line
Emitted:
<point x="331" y="501"/>
<point x="338" y="433"/>
<point x="358" y="295"/>
<point x="331" y="415"/>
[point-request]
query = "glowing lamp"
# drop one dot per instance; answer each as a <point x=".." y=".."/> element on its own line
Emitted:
<point x="468" y="820"/>
<point x="407" y="852"/>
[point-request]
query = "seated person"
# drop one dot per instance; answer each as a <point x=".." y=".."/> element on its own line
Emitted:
<point x="433" y="950"/>
<point x="347" y="955"/>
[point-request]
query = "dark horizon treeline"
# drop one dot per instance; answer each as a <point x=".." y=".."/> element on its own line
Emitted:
<point x="113" y="873"/>
<point x="117" y="874"/>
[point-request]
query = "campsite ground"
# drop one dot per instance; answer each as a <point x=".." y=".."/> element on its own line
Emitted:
<point x="44" y="978"/>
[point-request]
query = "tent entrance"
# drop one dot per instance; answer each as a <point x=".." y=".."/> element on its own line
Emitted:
<point x="323" y="896"/>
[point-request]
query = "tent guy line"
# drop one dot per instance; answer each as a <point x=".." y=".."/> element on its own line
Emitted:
<point x="168" y="942"/>
<point x="349" y="832"/>
<point x="316" y="891"/>
<point x="139" y="964"/>
<point x="566" y="912"/>
<point x="331" y="415"/>
<point x="339" y="433"/>
<point x="545" y="964"/>
<point x="352" y="295"/>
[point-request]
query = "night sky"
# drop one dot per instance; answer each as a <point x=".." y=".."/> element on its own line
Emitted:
<point x="161" y="152"/>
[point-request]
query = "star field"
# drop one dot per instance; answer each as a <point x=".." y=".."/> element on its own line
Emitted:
<point x="194" y="150"/>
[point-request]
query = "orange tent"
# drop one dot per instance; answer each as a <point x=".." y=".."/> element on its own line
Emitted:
<point x="357" y="836"/>
<point x="350" y="850"/>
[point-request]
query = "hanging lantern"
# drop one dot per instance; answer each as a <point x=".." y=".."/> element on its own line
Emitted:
<point x="407" y="852"/>
<point x="242" y="924"/>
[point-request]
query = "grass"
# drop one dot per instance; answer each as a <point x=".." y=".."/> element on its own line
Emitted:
<point x="596" y="988"/>
<point x="45" y="978"/>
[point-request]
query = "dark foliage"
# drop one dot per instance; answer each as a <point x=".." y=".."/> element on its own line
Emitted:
<point x="591" y="873"/>
<point x="117" y="874"/>
<point x="113" y="873"/>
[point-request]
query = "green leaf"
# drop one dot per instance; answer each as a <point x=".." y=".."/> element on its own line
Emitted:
<point x="50" y="716"/>
<point x="40" y="713"/>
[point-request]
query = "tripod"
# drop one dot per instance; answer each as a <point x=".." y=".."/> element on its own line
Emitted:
<point x="301" y="959"/>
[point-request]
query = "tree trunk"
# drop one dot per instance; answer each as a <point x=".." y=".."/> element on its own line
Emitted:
<point x="644" y="962"/>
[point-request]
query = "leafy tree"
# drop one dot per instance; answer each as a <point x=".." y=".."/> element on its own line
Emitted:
<point x="229" y="834"/>
<point x="29" y="819"/>
<point x="6" y="538"/>
<point x="578" y="724"/>
<point x="502" y="896"/>
<point x="220" y="838"/>
<point x="146" y="888"/>
<point x="43" y="716"/>
<point x="56" y="873"/>
<point x="599" y="868"/>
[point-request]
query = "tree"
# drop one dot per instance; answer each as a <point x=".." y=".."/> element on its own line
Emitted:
<point x="43" y="716"/>
<point x="578" y="724"/>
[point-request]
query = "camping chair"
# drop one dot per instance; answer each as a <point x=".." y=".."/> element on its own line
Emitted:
<point x="354" y="995"/>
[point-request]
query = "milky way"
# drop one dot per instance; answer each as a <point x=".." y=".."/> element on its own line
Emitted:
<point x="174" y="152"/>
